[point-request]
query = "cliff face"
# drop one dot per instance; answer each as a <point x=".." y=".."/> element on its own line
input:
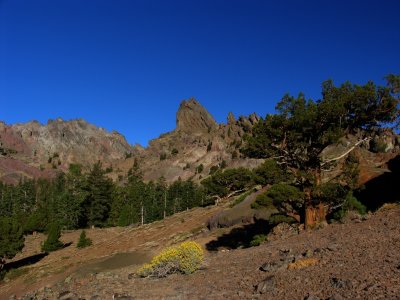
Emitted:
<point x="31" y="148"/>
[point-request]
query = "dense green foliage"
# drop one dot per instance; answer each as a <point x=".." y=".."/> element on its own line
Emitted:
<point x="270" y="172"/>
<point x="350" y="203"/>
<point x="258" y="239"/>
<point x="79" y="200"/>
<point x="276" y="219"/>
<point x="225" y="181"/>
<point x="53" y="243"/>
<point x="286" y="197"/>
<point x="262" y="200"/>
<point x="99" y="190"/>
<point x="83" y="241"/>
<point x="331" y="193"/>
<point x="11" y="238"/>
<point x="301" y="129"/>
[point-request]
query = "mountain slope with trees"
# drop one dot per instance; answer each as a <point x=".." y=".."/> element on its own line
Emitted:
<point x="308" y="163"/>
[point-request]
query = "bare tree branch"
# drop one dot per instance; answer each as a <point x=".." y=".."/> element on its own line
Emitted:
<point x="345" y="153"/>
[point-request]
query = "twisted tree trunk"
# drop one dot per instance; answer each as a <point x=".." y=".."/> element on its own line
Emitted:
<point x="314" y="214"/>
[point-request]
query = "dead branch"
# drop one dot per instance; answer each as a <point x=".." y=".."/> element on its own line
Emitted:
<point x="347" y="152"/>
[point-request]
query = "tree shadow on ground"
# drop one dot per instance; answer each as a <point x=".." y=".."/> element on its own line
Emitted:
<point x="67" y="245"/>
<point x="26" y="261"/>
<point x="382" y="189"/>
<point x="30" y="260"/>
<point x="239" y="237"/>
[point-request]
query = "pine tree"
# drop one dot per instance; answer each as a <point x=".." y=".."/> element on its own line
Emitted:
<point x="11" y="238"/>
<point x="53" y="243"/>
<point x="83" y="240"/>
<point x="99" y="199"/>
<point x="119" y="200"/>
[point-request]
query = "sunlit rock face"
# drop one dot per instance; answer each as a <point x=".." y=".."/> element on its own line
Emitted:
<point x="192" y="117"/>
<point x="34" y="150"/>
<point x="55" y="146"/>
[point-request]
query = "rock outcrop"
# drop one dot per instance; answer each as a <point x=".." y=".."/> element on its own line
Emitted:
<point x="197" y="145"/>
<point x="192" y="117"/>
<point x="373" y="153"/>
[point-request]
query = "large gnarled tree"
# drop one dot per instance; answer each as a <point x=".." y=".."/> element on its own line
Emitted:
<point x="301" y="129"/>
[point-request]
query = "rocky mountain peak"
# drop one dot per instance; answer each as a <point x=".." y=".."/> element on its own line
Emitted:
<point x="193" y="117"/>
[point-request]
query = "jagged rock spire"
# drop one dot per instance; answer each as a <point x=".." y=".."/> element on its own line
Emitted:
<point x="193" y="117"/>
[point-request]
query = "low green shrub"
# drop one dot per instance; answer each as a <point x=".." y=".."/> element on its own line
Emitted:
<point x="262" y="200"/>
<point x="258" y="239"/>
<point x="185" y="258"/>
<point x="280" y="218"/>
<point x="350" y="203"/>
<point x="378" y="146"/>
<point x="199" y="168"/>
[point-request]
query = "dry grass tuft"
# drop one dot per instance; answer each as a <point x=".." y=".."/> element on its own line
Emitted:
<point x="302" y="263"/>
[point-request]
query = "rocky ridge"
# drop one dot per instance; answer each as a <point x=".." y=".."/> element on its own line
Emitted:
<point x="34" y="150"/>
<point x="55" y="146"/>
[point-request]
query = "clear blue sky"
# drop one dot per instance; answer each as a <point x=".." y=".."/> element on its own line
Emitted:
<point x="126" y="65"/>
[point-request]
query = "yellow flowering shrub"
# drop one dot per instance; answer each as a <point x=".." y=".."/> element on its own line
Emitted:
<point x="185" y="258"/>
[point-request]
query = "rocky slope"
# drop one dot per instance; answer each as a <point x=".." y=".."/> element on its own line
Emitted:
<point x="355" y="260"/>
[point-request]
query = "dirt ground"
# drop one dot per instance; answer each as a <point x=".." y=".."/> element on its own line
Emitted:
<point x="359" y="259"/>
